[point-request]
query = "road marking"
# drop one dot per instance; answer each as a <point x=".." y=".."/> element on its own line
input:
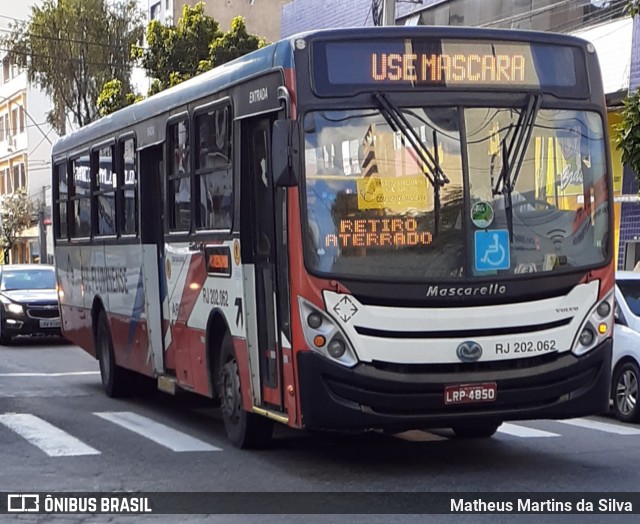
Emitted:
<point x="67" y="374"/>
<point x="601" y="426"/>
<point x="417" y="435"/>
<point x="164" y="435"/>
<point x="50" y="439"/>
<point x="524" y="432"/>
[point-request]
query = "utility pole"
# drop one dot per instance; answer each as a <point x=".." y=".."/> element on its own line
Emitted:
<point x="389" y="12"/>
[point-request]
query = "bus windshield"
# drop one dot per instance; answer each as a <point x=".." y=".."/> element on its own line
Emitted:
<point x="434" y="192"/>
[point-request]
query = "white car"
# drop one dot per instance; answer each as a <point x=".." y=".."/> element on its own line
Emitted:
<point x="625" y="364"/>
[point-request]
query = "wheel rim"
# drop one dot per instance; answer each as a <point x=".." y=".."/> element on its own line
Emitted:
<point x="230" y="391"/>
<point x="105" y="362"/>
<point x="627" y="392"/>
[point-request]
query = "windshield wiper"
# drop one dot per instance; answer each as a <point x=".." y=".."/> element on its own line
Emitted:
<point x="513" y="156"/>
<point x="431" y="163"/>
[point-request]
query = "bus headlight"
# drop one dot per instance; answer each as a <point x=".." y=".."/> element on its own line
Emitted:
<point x="324" y="336"/>
<point x="597" y="326"/>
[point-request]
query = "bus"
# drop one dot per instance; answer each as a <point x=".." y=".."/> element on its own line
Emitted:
<point x="354" y="229"/>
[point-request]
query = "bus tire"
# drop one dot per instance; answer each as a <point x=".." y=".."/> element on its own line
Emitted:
<point x="476" y="429"/>
<point x="115" y="380"/>
<point x="624" y="392"/>
<point x="245" y="430"/>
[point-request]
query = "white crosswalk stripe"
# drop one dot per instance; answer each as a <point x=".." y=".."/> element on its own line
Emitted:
<point x="159" y="433"/>
<point x="516" y="430"/>
<point x="56" y="442"/>
<point x="50" y="439"/>
<point x="617" y="429"/>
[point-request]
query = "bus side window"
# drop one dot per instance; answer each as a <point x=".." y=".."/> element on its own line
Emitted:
<point x="214" y="176"/>
<point x="179" y="177"/>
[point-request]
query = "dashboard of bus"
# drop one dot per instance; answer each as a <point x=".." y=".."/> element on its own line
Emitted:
<point x="419" y="193"/>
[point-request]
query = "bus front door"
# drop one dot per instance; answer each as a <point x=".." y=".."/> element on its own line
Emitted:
<point x="258" y="213"/>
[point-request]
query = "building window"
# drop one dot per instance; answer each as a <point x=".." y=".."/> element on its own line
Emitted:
<point x="22" y="113"/>
<point x="14" y="121"/>
<point x="214" y="178"/>
<point x="154" y="11"/>
<point x="1" y="129"/>
<point x="2" y="181"/>
<point x="179" y="177"/>
<point x="79" y="198"/>
<point x="6" y="70"/>
<point x="129" y="188"/>
<point x="104" y="191"/>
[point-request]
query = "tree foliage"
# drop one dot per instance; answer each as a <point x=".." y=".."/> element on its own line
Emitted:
<point x="234" y="43"/>
<point x="632" y="8"/>
<point x="113" y="97"/>
<point x="177" y="53"/>
<point x="194" y="45"/>
<point x="16" y="215"/>
<point x="71" y="48"/>
<point x="627" y="133"/>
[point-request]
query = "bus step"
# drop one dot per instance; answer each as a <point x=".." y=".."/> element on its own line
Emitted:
<point x="167" y="384"/>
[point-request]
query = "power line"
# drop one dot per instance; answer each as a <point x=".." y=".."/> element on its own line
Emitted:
<point x="76" y="60"/>
<point x="71" y="40"/>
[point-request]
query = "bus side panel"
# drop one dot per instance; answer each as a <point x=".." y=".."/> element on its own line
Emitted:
<point x="131" y="343"/>
<point x="76" y="323"/>
<point x="195" y="292"/>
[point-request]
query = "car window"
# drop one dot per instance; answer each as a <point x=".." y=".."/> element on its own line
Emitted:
<point x="630" y="290"/>
<point x="28" y="279"/>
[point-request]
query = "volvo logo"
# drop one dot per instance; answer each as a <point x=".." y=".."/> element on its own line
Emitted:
<point x="469" y="351"/>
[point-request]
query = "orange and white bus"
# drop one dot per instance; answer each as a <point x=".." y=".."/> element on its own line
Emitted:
<point x="351" y="229"/>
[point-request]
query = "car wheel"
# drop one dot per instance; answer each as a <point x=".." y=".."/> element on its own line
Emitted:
<point x="115" y="380"/>
<point x="245" y="430"/>
<point x="476" y="430"/>
<point x="625" y="392"/>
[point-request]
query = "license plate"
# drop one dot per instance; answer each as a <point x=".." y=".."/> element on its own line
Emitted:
<point x="53" y="323"/>
<point x="467" y="393"/>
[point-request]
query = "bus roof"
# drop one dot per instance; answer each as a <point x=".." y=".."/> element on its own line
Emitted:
<point x="279" y="54"/>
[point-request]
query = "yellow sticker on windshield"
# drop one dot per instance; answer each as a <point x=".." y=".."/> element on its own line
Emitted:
<point x="397" y="193"/>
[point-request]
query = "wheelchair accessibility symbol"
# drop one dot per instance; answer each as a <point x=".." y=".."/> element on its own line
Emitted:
<point x="492" y="250"/>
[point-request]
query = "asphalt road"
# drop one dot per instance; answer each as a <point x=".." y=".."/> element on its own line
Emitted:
<point x="59" y="432"/>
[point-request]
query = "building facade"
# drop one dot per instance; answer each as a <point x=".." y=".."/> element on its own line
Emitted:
<point x="25" y="158"/>
<point x="261" y="16"/>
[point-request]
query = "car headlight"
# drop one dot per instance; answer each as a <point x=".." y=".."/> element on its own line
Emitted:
<point x="16" y="309"/>
<point x="597" y="326"/>
<point x="324" y="336"/>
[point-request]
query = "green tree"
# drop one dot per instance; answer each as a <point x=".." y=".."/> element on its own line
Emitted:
<point x="627" y="133"/>
<point x="194" y="45"/>
<point x="16" y="215"/>
<point x="113" y="98"/>
<point x="176" y="53"/>
<point x="71" y="48"/>
<point x="234" y="43"/>
<point x="632" y="8"/>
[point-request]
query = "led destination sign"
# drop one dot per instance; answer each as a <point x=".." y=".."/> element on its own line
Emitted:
<point x="416" y="67"/>
<point x="407" y="63"/>
<point x="378" y="232"/>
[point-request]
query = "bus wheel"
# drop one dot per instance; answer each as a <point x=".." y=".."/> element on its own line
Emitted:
<point x="476" y="430"/>
<point x="115" y="380"/>
<point x="245" y="430"/>
<point x="625" y="392"/>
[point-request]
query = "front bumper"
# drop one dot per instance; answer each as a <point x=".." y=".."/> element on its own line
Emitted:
<point x="14" y="325"/>
<point x="407" y="397"/>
